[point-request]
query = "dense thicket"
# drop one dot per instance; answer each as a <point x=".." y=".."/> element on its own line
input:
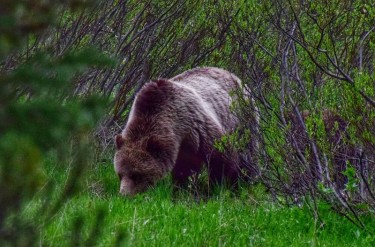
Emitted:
<point x="42" y="122"/>
<point x="307" y="65"/>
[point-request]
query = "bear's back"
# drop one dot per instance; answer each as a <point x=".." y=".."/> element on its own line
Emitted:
<point x="202" y="94"/>
<point x="212" y="87"/>
<point x="208" y="78"/>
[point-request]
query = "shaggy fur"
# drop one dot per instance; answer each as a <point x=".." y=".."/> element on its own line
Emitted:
<point x="172" y="127"/>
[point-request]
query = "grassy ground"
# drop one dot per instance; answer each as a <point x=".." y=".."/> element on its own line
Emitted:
<point x="162" y="218"/>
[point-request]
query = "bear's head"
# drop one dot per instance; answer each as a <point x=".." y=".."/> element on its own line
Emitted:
<point x="139" y="164"/>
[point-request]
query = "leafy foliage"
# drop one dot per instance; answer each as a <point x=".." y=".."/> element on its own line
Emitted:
<point x="41" y="121"/>
<point x="306" y="108"/>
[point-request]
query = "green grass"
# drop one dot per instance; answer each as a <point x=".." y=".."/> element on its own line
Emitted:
<point x="162" y="218"/>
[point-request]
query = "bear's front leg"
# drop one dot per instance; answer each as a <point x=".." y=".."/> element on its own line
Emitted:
<point x="223" y="169"/>
<point x="187" y="164"/>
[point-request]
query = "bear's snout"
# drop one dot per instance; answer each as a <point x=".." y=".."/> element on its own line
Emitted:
<point x="127" y="187"/>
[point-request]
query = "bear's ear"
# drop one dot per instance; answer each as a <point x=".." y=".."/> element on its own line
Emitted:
<point x="119" y="140"/>
<point x="161" y="82"/>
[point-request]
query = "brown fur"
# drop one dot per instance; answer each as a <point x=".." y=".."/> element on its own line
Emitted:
<point x="172" y="127"/>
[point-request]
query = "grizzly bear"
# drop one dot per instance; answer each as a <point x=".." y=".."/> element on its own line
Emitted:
<point x="172" y="127"/>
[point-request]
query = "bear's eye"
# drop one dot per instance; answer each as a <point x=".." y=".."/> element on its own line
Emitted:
<point x="135" y="176"/>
